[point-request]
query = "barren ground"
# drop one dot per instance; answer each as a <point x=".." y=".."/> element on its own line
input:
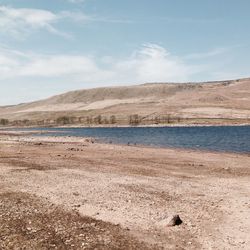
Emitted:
<point x="68" y="193"/>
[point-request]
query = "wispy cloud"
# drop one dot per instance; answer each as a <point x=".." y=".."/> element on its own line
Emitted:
<point x="20" y="22"/>
<point x="150" y="63"/>
<point x="14" y="64"/>
<point x="208" y="54"/>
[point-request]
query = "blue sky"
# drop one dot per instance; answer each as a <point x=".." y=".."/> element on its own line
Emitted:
<point x="49" y="47"/>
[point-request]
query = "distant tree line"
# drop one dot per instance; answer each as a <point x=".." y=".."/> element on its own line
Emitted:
<point x="133" y="120"/>
<point x="4" y="122"/>
<point x="89" y="120"/>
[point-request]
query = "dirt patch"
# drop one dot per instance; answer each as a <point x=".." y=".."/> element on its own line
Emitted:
<point x="26" y="166"/>
<point x="27" y="222"/>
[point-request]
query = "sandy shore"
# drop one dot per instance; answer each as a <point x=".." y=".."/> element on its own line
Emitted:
<point x="73" y="193"/>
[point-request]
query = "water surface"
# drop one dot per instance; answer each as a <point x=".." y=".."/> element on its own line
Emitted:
<point x="215" y="138"/>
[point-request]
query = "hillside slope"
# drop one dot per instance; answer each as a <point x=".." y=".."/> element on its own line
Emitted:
<point x="204" y="101"/>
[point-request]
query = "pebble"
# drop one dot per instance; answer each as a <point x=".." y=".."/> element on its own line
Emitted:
<point x="171" y="221"/>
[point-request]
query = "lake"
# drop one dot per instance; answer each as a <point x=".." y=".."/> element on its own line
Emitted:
<point x="215" y="138"/>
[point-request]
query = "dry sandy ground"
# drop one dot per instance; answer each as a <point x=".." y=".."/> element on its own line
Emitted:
<point x="67" y="193"/>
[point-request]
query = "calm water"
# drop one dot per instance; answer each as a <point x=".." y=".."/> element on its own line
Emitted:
<point x="229" y="138"/>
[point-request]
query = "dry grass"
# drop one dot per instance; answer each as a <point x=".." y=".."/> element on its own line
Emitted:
<point x="216" y="100"/>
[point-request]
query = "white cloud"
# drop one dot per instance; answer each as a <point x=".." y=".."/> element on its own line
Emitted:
<point x="75" y="68"/>
<point x="75" y="16"/>
<point x="52" y="66"/>
<point x="14" y="64"/>
<point x="19" y="22"/>
<point x="151" y="63"/>
<point x="36" y="17"/>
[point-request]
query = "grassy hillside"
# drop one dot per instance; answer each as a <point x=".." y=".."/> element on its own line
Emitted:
<point x="156" y="103"/>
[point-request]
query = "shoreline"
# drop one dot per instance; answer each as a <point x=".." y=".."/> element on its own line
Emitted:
<point x="129" y="126"/>
<point x="24" y="136"/>
<point x="46" y="134"/>
<point x="131" y="188"/>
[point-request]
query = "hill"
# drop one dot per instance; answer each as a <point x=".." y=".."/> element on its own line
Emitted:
<point x="154" y="103"/>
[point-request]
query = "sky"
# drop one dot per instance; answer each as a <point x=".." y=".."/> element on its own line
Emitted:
<point x="50" y="47"/>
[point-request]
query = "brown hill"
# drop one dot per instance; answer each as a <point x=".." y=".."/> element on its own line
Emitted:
<point x="153" y="103"/>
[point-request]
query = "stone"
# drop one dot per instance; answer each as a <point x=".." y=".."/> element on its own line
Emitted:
<point x="171" y="221"/>
<point x="76" y="205"/>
